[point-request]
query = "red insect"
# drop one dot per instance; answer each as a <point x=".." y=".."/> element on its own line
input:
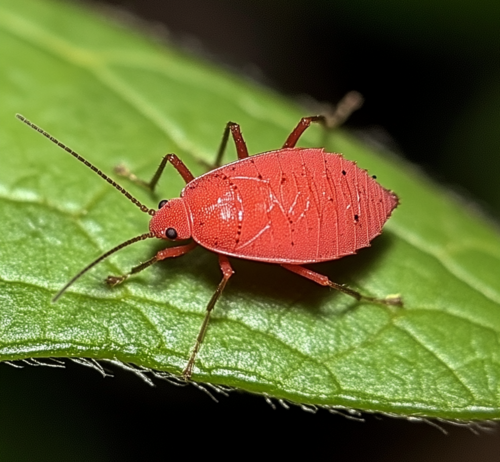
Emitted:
<point x="292" y="207"/>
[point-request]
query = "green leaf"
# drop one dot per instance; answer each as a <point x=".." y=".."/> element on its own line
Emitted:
<point x="117" y="97"/>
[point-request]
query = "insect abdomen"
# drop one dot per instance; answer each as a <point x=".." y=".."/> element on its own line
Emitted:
<point x="288" y="206"/>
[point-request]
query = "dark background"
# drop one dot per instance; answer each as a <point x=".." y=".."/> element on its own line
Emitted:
<point x="430" y="74"/>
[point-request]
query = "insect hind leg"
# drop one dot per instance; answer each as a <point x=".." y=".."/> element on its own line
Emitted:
<point x="331" y="119"/>
<point x="324" y="281"/>
<point x="301" y="127"/>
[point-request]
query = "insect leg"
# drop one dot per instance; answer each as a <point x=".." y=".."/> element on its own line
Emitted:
<point x="335" y="116"/>
<point x="331" y="119"/>
<point x="301" y="127"/>
<point x="186" y="174"/>
<point x="324" y="281"/>
<point x="241" y="147"/>
<point x="170" y="252"/>
<point x="151" y="184"/>
<point x="227" y="272"/>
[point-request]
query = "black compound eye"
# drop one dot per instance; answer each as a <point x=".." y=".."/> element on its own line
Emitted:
<point x="171" y="233"/>
<point x="162" y="203"/>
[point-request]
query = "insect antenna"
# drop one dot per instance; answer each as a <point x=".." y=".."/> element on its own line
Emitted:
<point x="98" y="260"/>
<point x="88" y="164"/>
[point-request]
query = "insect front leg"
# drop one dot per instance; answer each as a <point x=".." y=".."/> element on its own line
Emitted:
<point x="171" y="252"/>
<point x="227" y="272"/>
<point x="151" y="184"/>
<point x="324" y="281"/>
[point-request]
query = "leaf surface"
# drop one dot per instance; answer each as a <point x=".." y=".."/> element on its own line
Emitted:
<point x="117" y="97"/>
